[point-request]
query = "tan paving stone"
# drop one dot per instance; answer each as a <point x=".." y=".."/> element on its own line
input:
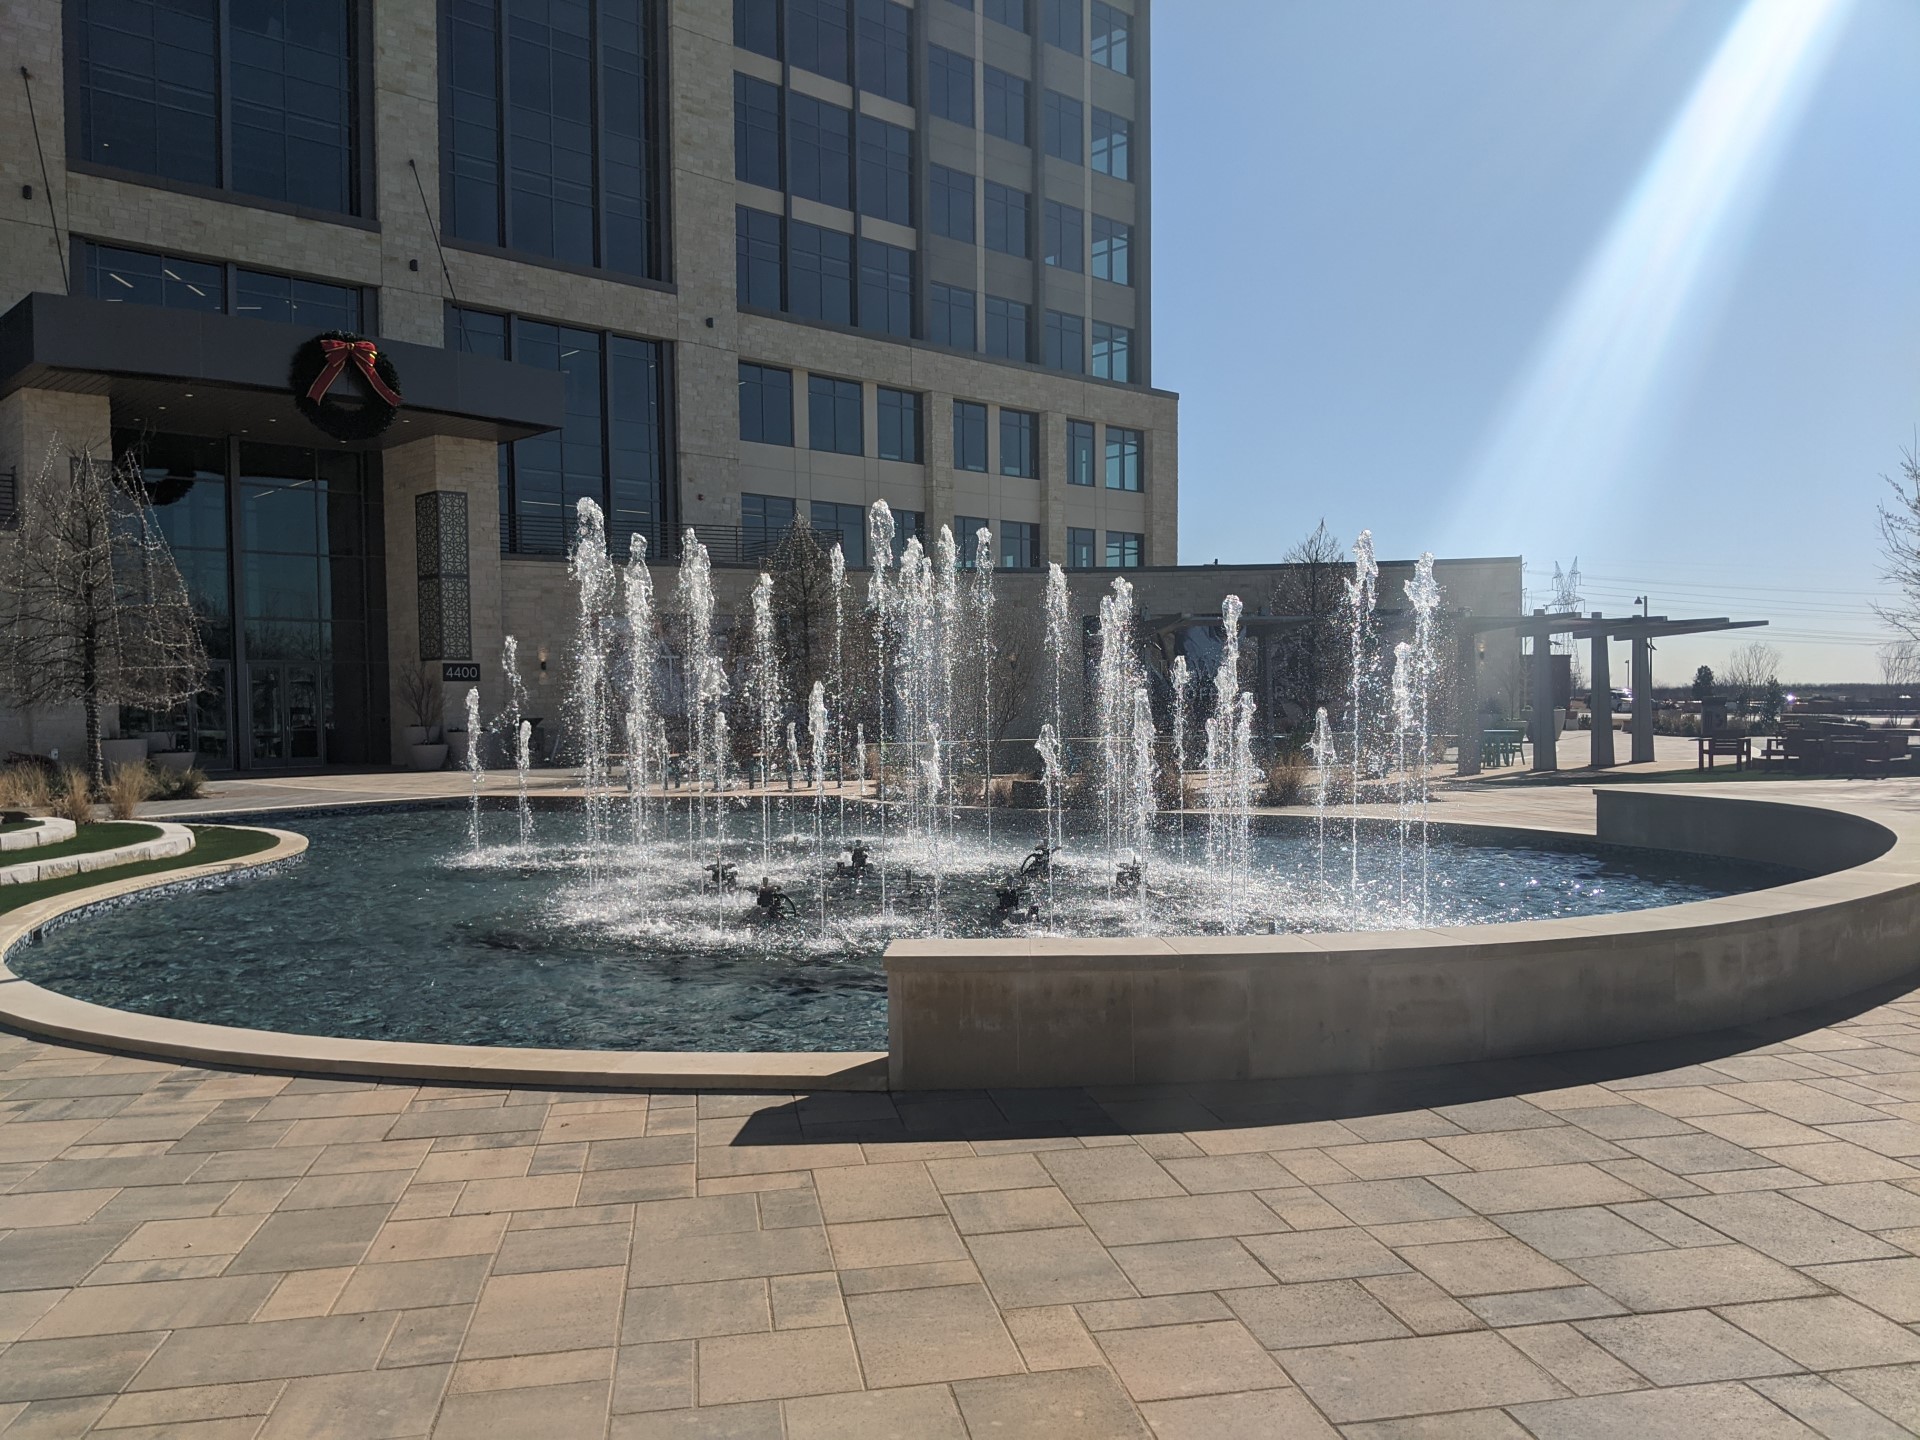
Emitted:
<point x="1088" y="1404"/>
<point x="1116" y="1173"/>
<point x="987" y="1172"/>
<point x="1828" y="1409"/>
<point x="1324" y="1255"/>
<point x="1187" y="1217"/>
<point x="985" y="1212"/>
<point x="1419" y="1304"/>
<point x="1052" y="1337"/>
<point x="800" y="1301"/>
<point x="1184" y="1265"/>
<point x="437" y="1239"/>
<point x="1685" y="1347"/>
<point x="554" y="1310"/>
<point x="869" y="1243"/>
<point x="653" y="1377"/>
<point x="267" y="1350"/>
<point x="85" y="1365"/>
<point x="758" y="1420"/>
<point x="917" y="1337"/>
<point x="387" y="1405"/>
<point x="427" y="1336"/>
<point x="191" y="1403"/>
<point x="776" y="1365"/>
<point x="688" y="1312"/>
<point x="411" y="1284"/>
<point x="565" y="1247"/>
<point x="303" y="1294"/>
<point x="1318" y="1312"/>
<point x="541" y="1413"/>
<point x="164" y="1239"/>
<point x="1387" y="1378"/>
<point x="1708" y="1275"/>
<point x="925" y="1412"/>
<point x="1395" y="1160"/>
<point x="1391" y="1202"/>
<point x="1677" y="1414"/>
<point x="876" y="1192"/>
<point x="1827" y="1332"/>
<point x="310" y="1240"/>
<point x="1548" y="1187"/>
<point x="1485" y="1267"/>
<point x="1252" y="1415"/>
<point x="1047" y="1267"/>
<point x="1171" y="1361"/>
<point x="157" y="1305"/>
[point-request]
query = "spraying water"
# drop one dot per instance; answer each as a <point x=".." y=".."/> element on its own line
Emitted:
<point x="983" y="611"/>
<point x="767" y="697"/>
<point x="1403" y="723"/>
<point x="1321" y="748"/>
<point x="1423" y="594"/>
<point x="642" y="724"/>
<point x="516" y="709"/>
<point x="1058" y="619"/>
<point x="588" y="704"/>
<point x="879" y="550"/>
<point x="1229" y="765"/>
<point x="1182" y="681"/>
<point x="474" y="770"/>
<point x="837" y="581"/>
<point x="817" y="730"/>
<point x="1361" y="594"/>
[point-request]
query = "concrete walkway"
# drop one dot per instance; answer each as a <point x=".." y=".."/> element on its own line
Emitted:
<point x="1677" y="1241"/>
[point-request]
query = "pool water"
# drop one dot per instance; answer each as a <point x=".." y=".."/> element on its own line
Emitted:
<point x="393" y="927"/>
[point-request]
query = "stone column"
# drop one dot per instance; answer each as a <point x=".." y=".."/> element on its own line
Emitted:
<point x="1600" y="701"/>
<point x="1546" y="749"/>
<point x="1468" y="721"/>
<point x="1642" y="700"/>
<point x="469" y="467"/>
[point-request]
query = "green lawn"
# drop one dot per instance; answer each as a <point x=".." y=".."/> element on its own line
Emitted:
<point x="14" y="825"/>
<point x="212" y="843"/>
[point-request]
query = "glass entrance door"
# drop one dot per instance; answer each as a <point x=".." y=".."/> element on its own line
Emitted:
<point x="286" y="706"/>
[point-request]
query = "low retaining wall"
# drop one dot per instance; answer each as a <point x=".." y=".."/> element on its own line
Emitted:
<point x="1038" y="1012"/>
<point x="51" y="830"/>
<point x="171" y="841"/>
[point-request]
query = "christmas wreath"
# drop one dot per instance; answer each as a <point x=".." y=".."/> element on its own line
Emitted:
<point x="321" y="361"/>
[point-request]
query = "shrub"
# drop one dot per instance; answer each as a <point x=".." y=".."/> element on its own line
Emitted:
<point x="1287" y="782"/>
<point x="25" y="787"/>
<point x="126" y="788"/>
<point x="73" y="798"/>
<point x="171" y="784"/>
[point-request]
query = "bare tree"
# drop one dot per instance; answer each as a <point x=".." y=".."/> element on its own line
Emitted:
<point x="1900" y="664"/>
<point x="1310" y="659"/>
<point x="1749" y="670"/>
<point x="1900" y="548"/>
<point x="92" y="606"/>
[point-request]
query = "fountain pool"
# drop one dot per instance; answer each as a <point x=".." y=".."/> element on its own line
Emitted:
<point x="394" y="927"/>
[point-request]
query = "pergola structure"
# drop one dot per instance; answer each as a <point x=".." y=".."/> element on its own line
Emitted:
<point x="1642" y="630"/>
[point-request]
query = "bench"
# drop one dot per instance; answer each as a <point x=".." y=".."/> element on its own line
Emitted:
<point x="1738" y="747"/>
<point x="1499" y="747"/>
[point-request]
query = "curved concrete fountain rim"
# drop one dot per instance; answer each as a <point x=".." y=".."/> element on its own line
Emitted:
<point x="36" y="1009"/>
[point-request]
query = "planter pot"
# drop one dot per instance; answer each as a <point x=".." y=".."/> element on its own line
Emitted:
<point x="161" y="742"/>
<point x="428" y="757"/>
<point x="415" y="735"/>
<point x="124" y="752"/>
<point x="179" y="761"/>
<point x="457" y="746"/>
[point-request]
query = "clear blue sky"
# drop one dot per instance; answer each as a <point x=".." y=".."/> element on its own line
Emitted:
<point x="1632" y="280"/>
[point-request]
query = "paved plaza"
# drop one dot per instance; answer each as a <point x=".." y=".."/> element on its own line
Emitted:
<point x="1665" y="1242"/>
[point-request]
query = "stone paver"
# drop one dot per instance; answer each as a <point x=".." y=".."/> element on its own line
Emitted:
<point x="1680" y="1240"/>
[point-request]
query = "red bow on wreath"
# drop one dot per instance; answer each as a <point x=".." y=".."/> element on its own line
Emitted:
<point x="362" y="353"/>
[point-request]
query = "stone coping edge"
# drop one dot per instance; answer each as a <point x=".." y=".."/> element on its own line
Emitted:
<point x="45" y="830"/>
<point x="171" y="841"/>
<point x="40" y="1011"/>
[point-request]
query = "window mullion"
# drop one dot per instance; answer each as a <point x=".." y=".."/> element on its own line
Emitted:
<point x="223" y="91"/>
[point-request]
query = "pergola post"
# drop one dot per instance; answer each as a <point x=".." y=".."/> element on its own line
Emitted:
<point x="1600" y="700"/>
<point x="1642" y="700"/>
<point x="1468" y="720"/>
<point x="1546" y="755"/>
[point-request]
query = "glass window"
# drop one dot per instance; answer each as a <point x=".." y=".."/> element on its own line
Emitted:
<point x="1112" y="251"/>
<point x="1007" y="329"/>
<point x="636" y="428"/>
<point x="966" y="536"/>
<point x="1004" y="99"/>
<point x="833" y="416"/>
<point x="950" y="316"/>
<point x="756" y="26"/>
<point x="756" y="244"/>
<point x="756" y="131"/>
<point x="1112" y="30"/>
<point x="562" y="162"/>
<point x="1079" y="548"/>
<point x="1112" y="351"/>
<point x="138" y="278"/>
<point x="1111" y="138"/>
<point x="884" y="30"/>
<point x="766" y="404"/>
<point x="290" y="66"/>
<point x="1062" y="118"/>
<point x="147" y="87"/>
<point x="845" y="523"/>
<point x="908" y="525"/>
<point x="950" y="195"/>
<point x="886" y="171"/>
<point x="310" y="303"/>
<point x="763" y="520"/>
<point x="886" y="288"/>
<point x="819" y="273"/>
<point x="950" y="85"/>
<point x="969" y="436"/>
<point x="899" y="417"/>
<point x="1007" y="12"/>
<point x="1065" y="347"/>
<point x="817" y="36"/>
<point x="1006" y="219"/>
<point x="1019" y="444"/>
<point x="1123" y="458"/>
<point x="552" y="472"/>
<point x="477" y="332"/>
<point x="819" y="149"/>
<point x="1019" y="545"/>
<point x="1080" y="456"/>
<point x="1060" y="24"/>
<point x="1064" y="239"/>
<point x="1124" y="550"/>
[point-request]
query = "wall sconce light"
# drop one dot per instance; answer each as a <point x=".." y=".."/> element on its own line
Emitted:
<point x="543" y="659"/>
